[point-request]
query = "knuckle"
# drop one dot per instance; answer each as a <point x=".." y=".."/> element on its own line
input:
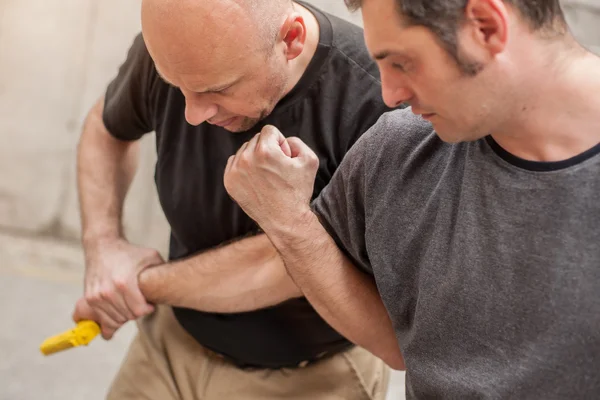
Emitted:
<point x="245" y="160"/>
<point x="154" y="255"/>
<point x="139" y="311"/>
<point x="107" y="294"/>
<point x="93" y="298"/>
<point x="263" y="151"/>
<point x="121" y="284"/>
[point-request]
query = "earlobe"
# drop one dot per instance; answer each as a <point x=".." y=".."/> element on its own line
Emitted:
<point x="490" y="18"/>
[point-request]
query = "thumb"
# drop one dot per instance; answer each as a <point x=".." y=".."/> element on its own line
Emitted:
<point x="270" y="137"/>
<point x="285" y="147"/>
<point x="299" y="149"/>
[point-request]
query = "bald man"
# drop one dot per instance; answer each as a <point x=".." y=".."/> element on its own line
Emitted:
<point x="223" y="319"/>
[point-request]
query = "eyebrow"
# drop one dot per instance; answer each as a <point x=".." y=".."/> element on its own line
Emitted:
<point x="386" y="53"/>
<point x="209" y="89"/>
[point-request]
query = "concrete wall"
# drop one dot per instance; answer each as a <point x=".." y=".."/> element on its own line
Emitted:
<point x="55" y="60"/>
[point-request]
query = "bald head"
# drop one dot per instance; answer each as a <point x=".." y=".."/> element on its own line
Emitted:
<point x="213" y="23"/>
<point x="230" y="58"/>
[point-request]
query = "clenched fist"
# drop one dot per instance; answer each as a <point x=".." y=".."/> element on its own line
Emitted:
<point x="272" y="179"/>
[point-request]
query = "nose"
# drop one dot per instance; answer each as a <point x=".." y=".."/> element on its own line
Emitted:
<point x="198" y="110"/>
<point x="394" y="91"/>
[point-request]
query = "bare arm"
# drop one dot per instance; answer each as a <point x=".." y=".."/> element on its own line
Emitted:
<point x="241" y="276"/>
<point x="105" y="168"/>
<point x="342" y="294"/>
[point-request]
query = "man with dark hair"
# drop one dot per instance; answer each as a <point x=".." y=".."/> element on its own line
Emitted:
<point x="443" y="18"/>
<point x="478" y="212"/>
<point x="206" y="76"/>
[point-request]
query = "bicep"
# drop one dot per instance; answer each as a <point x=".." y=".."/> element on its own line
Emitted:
<point x="340" y="209"/>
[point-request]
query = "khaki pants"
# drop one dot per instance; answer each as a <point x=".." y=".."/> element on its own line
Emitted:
<point x="165" y="363"/>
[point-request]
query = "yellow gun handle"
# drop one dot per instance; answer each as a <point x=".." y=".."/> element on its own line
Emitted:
<point x="81" y="335"/>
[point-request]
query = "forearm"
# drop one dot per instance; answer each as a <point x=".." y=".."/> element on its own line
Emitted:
<point x="343" y="295"/>
<point x="105" y="169"/>
<point x="242" y="276"/>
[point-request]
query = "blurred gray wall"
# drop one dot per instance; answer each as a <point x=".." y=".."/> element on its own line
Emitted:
<point x="56" y="58"/>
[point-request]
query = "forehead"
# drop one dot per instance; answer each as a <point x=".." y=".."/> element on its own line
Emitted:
<point x="386" y="33"/>
<point x="202" y="68"/>
<point x="383" y="25"/>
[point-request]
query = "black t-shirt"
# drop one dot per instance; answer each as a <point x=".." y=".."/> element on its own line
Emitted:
<point x="337" y="99"/>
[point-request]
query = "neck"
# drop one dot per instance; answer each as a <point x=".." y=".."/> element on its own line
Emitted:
<point x="558" y="115"/>
<point x="300" y="63"/>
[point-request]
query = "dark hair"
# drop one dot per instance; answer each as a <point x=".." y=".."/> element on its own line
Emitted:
<point x="443" y="18"/>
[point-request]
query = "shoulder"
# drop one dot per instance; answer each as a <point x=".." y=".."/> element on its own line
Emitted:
<point x="347" y="42"/>
<point x="397" y="131"/>
<point x="139" y="52"/>
<point x="403" y="150"/>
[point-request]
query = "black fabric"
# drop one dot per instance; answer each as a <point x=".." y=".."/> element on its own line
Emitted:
<point x="541" y="166"/>
<point x="337" y="99"/>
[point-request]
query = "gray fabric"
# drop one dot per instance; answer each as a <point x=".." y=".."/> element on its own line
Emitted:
<point x="490" y="272"/>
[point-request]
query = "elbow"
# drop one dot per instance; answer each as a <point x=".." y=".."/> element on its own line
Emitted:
<point x="396" y="363"/>
<point x="394" y="360"/>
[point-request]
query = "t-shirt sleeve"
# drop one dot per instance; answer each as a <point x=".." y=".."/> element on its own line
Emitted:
<point x="365" y="106"/>
<point x="127" y="104"/>
<point x="340" y="206"/>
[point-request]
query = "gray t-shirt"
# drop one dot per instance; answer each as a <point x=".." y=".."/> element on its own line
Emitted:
<point x="489" y="265"/>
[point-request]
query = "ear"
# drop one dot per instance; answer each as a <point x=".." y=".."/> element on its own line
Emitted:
<point x="490" y="21"/>
<point x="293" y="35"/>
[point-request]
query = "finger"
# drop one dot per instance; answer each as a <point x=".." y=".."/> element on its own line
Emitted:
<point x="285" y="147"/>
<point x="108" y="331"/>
<point x="120" y="303"/>
<point x="114" y="304"/>
<point x="229" y="164"/>
<point x="270" y="138"/>
<point x="84" y="311"/>
<point x="239" y="153"/>
<point x="270" y="133"/>
<point x="299" y="149"/>
<point x="241" y="149"/>
<point x="108" y="326"/>
<point x="253" y="142"/>
<point x="137" y="302"/>
<point x="152" y="258"/>
<point x="101" y="299"/>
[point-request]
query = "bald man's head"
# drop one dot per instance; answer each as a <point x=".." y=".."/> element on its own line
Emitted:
<point x="254" y="23"/>
<point x="217" y="50"/>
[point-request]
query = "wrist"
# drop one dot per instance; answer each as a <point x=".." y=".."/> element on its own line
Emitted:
<point x="145" y="279"/>
<point x="152" y="282"/>
<point x="98" y="238"/>
<point x="295" y="228"/>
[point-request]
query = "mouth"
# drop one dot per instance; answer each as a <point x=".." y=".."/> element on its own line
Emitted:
<point x="426" y="116"/>
<point x="224" y="123"/>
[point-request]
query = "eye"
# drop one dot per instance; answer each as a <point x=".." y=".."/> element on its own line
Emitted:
<point x="398" y="66"/>
<point x="221" y="91"/>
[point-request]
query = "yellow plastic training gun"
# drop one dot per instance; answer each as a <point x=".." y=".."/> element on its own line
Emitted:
<point x="84" y="332"/>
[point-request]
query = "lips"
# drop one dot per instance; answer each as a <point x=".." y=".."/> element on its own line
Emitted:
<point x="423" y="115"/>
<point x="223" y="123"/>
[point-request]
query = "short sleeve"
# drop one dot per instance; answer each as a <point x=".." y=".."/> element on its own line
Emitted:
<point x="340" y="206"/>
<point x="127" y="104"/>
